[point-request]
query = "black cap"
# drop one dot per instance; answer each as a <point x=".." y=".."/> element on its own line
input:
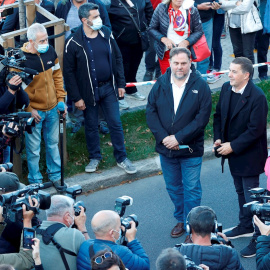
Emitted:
<point x="9" y="181"/>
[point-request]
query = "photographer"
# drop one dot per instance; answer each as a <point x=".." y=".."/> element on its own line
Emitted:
<point x="201" y="222"/>
<point x="171" y="258"/>
<point x="60" y="219"/>
<point x="107" y="227"/>
<point x="263" y="245"/>
<point x="22" y="260"/>
<point x="11" y="236"/>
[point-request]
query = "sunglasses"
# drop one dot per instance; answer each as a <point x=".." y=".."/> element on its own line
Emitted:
<point x="99" y="259"/>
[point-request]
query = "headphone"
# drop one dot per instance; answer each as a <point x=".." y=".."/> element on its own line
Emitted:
<point x="204" y="209"/>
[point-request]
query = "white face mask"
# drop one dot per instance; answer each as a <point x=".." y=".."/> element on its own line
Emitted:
<point x="71" y="224"/>
<point x="97" y="24"/>
<point x="117" y="241"/>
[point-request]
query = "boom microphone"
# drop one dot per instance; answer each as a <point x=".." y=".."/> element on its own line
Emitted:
<point x="61" y="106"/>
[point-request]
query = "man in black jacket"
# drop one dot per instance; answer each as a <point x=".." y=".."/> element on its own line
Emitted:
<point x="240" y="133"/>
<point x="201" y="222"/>
<point x="177" y="112"/>
<point x="94" y="76"/>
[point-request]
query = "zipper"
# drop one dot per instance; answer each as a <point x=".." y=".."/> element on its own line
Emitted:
<point x="112" y="71"/>
<point x="87" y="69"/>
<point x="121" y="32"/>
<point x="46" y="83"/>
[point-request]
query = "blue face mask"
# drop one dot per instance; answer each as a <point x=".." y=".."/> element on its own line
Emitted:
<point x="97" y="24"/>
<point x="117" y="241"/>
<point x="43" y="48"/>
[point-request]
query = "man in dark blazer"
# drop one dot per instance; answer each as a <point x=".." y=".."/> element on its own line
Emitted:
<point x="240" y="133"/>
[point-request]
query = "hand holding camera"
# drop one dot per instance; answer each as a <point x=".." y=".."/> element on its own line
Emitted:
<point x="264" y="229"/>
<point x="14" y="84"/>
<point x="80" y="220"/>
<point x="29" y="214"/>
<point x="10" y="131"/>
<point x="131" y="233"/>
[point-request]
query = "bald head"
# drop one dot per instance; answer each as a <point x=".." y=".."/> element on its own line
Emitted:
<point x="105" y="221"/>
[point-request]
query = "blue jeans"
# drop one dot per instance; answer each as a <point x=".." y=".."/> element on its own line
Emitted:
<point x="49" y="124"/>
<point x="208" y="31"/>
<point x="110" y="107"/>
<point x="216" y="55"/>
<point x="182" y="178"/>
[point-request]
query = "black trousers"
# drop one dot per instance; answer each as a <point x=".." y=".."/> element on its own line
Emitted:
<point x="132" y="56"/>
<point x="243" y="44"/>
<point x="262" y="47"/>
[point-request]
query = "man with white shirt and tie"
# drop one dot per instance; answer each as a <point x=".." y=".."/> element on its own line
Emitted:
<point x="178" y="109"/>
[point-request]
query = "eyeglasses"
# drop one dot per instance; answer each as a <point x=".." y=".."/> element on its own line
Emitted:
<point x="99" y="259"/>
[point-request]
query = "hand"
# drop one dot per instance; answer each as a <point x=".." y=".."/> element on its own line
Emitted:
<point x="264" y="229"/>
<point x="170" y="142"/>
<point x="121" y="92"/>
<point x="238" y="3"/>
<point x="36" y="116"/>
<point x="80" y="220"/>
<point x="216" y="5"/>
<point x="15" y="80"/>
<point x="36" y="251"/>
<point x="168" y="43"/>
<point x="204" y="6"/>
<point x="1" y="214"/>
<point x="2" y="169"/>
<point x="1" y="10"/>
<point x="28" y="215"/>
<point x="80" y="105"/>
<point x="10" y="125"/>
<point x="183" y="44"/>
<point x="65" y="113"/>
<point x="204" y="267"/>
<point x="223" y="236"/>
<point x="131" y="233"/>
<point x="216" y="143"/>
<point x="225" y="149"/>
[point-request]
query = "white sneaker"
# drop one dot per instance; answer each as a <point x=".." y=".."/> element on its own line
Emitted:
<point x="136" y="95"/>
<point x="212" y="78"/>
<point x="123" y="105"/>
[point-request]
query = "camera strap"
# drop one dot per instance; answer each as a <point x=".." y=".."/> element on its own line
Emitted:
<point x="48" y="236"/>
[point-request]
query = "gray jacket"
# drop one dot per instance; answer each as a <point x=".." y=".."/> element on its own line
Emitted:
<point x="160" y="23"/>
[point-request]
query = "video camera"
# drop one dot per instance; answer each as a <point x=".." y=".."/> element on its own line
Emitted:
<point x="12" y="202"/>
<point x="261" y="205"/>
<point x="73" y="192"/>
<point x="23" y="120"/>
<point x="14" y="59"/>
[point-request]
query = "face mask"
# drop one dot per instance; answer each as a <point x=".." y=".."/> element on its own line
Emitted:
<point x="42" y="48"/>
<point x="117" y="241"/>
<point x="70" y="225"/>
<point x="97" y="24"/>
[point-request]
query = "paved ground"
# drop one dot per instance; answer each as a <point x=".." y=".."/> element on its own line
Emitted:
<point x="226" y="60"/>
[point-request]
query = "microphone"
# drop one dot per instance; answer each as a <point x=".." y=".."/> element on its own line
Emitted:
<point x="61" y="106"/>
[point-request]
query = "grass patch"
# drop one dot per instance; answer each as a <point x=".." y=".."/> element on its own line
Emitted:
<point x="139" y="141"/>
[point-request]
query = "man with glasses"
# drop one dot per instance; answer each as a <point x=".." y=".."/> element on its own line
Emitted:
<point x="106" y="225"/>
<point x="45" y="91"/>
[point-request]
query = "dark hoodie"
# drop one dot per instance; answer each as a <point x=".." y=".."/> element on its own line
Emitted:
<point x="188" y="123"/>
<point x="77" y="75"/>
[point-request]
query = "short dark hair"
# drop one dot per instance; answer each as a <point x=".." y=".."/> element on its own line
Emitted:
<point x="6" y="267"/>
<point x="178" y="50"/>
<point x="246" y="65"/>
<point x="108" y="262"/>
<point x="84" y="10"/>
<point x="202" y="220"/>
<point x="170" y="259"/>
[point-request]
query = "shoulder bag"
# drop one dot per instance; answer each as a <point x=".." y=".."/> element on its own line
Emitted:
<point x="199" y="50"/>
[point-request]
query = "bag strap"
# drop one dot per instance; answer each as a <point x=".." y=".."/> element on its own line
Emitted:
<point x="131" y="16"/>
<point x="48" y="236"/>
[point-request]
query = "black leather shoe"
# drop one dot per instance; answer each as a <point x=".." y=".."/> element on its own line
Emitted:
<point x="188" y="240"/>
<point x="178" y="230"/>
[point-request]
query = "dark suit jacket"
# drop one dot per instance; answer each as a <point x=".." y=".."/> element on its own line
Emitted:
<point x="247" y="129"/>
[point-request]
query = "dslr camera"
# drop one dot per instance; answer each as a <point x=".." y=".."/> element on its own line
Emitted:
<point x="73" y="192"/>
<point x="260" y="206"/>
<point x="191" y="265"/>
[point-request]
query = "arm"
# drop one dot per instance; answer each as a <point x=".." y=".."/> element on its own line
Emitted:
<point x="22" y="99"/>
<point x="196" y="31"/>
<point x="154" y="28"/>
<point x="152" y="117"/>
<point x="255" y="127"/>
<point x="200" y="121"/>
<point x="148" y="10"/>
<point x="227" y="5"/>
<point x="58" y="82"/>
<point x="217" y="119"/>
<point x="243" y="7"/>
<point x="5" y="100"/>
<point x="104" y="14"/>
<point x="69" y="69"/>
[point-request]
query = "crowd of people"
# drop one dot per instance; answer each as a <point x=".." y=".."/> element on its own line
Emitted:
<point x="102" y="52"/>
